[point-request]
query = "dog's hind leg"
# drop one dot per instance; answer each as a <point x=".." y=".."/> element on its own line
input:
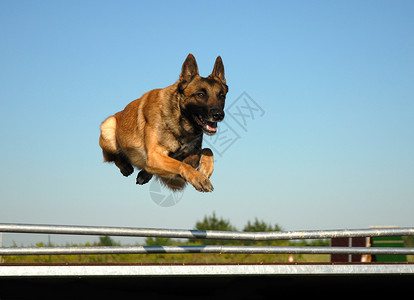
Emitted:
<point x="124" y="166"/>
<point x="107" y="141"/>
<point x="143" y="177"/>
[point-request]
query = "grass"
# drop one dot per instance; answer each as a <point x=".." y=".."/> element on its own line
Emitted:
<point x="182" y="258"/>
<point x="188" y="258"/>
<point x="192" y="258"/>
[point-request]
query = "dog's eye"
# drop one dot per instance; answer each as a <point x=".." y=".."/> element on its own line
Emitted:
<point x="201" y="95"/>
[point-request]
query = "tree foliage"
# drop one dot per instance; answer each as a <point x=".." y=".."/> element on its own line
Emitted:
<point x="106" y="241"/>
<point x="213" y="223"/>
<point x="261" y="226"/>
<point x="150" y="241"/>
<point x="258" y="226"/>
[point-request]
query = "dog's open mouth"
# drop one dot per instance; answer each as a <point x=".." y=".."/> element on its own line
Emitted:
<point x="209" y="128"/>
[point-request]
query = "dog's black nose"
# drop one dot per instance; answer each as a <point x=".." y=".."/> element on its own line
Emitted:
<point x="217" y="114"/>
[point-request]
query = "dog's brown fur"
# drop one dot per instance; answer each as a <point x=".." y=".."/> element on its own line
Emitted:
<point x="161" y="133"/>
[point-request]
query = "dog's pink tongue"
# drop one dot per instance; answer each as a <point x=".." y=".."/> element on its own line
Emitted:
<point x="211" y="126"/>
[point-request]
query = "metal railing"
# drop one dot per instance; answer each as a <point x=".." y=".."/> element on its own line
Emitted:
<point x="204" y="234"/>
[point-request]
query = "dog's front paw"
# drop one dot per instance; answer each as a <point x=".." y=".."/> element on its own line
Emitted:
<point x="198" y="180"/>
<point x="202" y="184"/>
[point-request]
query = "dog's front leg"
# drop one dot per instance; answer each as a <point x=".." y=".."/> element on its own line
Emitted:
<point x="160" y="164"/>
<point x="203" y="161"/>
<point x="206" y="166"/>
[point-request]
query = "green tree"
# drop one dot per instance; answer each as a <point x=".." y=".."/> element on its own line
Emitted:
<point x="261" y="226"/>
<point x="213" y="223"/>
<point x="150" y="241"/>
<point x="106" y="241"/>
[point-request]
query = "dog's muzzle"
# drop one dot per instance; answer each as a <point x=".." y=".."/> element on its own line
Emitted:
<point x="209" y="125"/>
<point x="217" y="115"/>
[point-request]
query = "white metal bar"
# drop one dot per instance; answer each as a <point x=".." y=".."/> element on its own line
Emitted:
<point x="204" y="270"/>
<point x="203" y="234"/>
<point x="205" y="249"/>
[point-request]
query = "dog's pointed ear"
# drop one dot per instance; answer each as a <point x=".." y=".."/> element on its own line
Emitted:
<point x="218" y="70"/>
<point x="189" y="69"/>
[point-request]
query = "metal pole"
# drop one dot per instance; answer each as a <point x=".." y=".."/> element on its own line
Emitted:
<point x="203" y="234"/>
<point x="204" y="249"/>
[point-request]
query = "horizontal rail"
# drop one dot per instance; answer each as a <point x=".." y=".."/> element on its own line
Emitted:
<point x="102" y="271"/>
<point x="204" y="249"/>
<point x="204" y="234"/>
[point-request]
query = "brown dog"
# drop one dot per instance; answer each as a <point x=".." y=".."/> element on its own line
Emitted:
<point x="161" y="133"/>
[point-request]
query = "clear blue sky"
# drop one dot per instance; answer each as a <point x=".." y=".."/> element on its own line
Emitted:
<point x="330" y="144"/>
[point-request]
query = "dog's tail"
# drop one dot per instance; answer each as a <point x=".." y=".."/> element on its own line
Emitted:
<point x="107" y="139"/>
<point x="176" y="183"/>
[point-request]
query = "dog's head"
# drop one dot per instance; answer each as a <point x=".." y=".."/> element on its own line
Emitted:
<point x="202" y="98"/>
